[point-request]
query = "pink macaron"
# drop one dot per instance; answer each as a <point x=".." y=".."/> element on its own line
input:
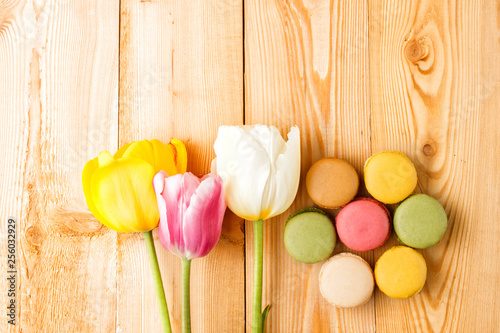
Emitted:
<point x="364" y="224"/>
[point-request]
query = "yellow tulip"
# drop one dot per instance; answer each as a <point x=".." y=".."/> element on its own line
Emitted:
<point x="119" y="189"/>
<point x="119" y="192"/>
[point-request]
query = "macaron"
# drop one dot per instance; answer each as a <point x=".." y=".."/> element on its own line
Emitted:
<point x="346" y="280"/>
<point x="420" y="221"/>
<point x="364" y="224"/>
<point x="400" y="272"/>
<point x="332" y="182"/>
<point x="309" y="236"/>
<point x="390" y="176"/>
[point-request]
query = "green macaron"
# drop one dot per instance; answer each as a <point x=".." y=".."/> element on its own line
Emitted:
<point x="420" y="221"/>
<point x="309" y="236"/>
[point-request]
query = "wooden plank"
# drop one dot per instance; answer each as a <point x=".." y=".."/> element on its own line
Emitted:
<point x="306" y="64"/>
<point x="181" y="76"/>
<point x="58" y="89"/>
<point x="434" y="88"/>
<point x="432" y="92"/>
<point x="483" y="105"/>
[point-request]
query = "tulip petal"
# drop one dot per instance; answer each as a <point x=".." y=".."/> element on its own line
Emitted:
<point x="165" y="234"/>
<point x="180" y="155"/>
<point x="189" y="185"/>
<point x="191" y="212"/>
<point x="122" y="150"/>
<point x="272" y="142"/>
<point x="104" y="158"/>
<point x="171" y="197"/>
<point x="159" y="186"/>
<point x="160" y="156"/>
<point x="260" y="170"/>
<point x="213" y="166"/>
<point x="166" y="158"/>
<point x="269" y="138"/>
<point x="203" y="218"/>
<point x="287" y="174"/>
<point x="244" y="167"/>
<point x="175" y="196"/>
<point x="87" y="173"/>
<point x="122" y="193"/>
<point x="142" y="150"/>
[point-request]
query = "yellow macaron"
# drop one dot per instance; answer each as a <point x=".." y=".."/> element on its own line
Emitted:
<point x="400" y="272"/>
<point x="390" y="176"/>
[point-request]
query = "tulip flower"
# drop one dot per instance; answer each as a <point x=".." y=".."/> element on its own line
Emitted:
<point x="119" y="192"/>
<point x="191" y="214"/>
<point x="260" y="173"/>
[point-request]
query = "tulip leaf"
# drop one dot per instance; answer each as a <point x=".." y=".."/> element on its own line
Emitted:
<point x="264" y="317"/>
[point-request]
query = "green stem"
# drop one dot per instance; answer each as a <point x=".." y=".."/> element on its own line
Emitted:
<point x="160" y="293"/>
<point x="257" y="277"/>
<point x="186" y="308"/>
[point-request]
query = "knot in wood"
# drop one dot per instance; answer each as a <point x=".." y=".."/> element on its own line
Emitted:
<point x="34" y="236"/>
<point x="418" y="50"/>
<point x="429" y="150"/>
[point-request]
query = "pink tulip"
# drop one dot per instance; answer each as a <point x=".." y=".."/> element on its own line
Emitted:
<point x="191" y="212"/>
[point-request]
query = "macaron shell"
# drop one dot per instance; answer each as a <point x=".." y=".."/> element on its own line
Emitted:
<point x="346" y="280"/>
<point x="364" y="224"/>
<point x="400" y="272"/>
<point x="420" y="221"/>
<point x="309" y="236"/>
<point x="390" y="176"/>
<point x="332" y="182"/>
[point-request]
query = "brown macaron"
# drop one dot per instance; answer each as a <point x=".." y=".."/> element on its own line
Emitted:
<point x="332" y="182"/>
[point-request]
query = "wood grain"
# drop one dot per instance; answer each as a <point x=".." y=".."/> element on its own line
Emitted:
<point x="306" y="64"/>
<point x="58" y="92"/>
<point x="434" y="90"/>
<point x="357" y="77"/>
<point x="181" y="76"/>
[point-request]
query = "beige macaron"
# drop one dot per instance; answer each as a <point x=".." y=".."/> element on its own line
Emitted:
<point x="332" y="182"/>
<point x="346" y="280"/>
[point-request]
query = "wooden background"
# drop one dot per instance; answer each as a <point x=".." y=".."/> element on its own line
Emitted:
<point x="357" y="77"/>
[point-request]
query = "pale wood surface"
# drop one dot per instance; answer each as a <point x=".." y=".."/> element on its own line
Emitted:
<point x="181" y="76"/>
<point x="357" y="77"/>
<point x="307" y="64"/>
<point x="58" y="88"/>
<point x="435" y="94"/>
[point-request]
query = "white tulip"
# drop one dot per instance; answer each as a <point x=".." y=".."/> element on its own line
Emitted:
<point x="260" y="174"/>
<point x="260" y="171"/>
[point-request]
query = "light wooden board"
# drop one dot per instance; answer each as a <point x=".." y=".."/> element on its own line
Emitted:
<point x="375" y="76"/>
<point x="357" y="77"/>
<point x="58" y="88"/>
<point x="181" y="76"/>
<point x="435" y="94"/>
<point x="306" y="64"/>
